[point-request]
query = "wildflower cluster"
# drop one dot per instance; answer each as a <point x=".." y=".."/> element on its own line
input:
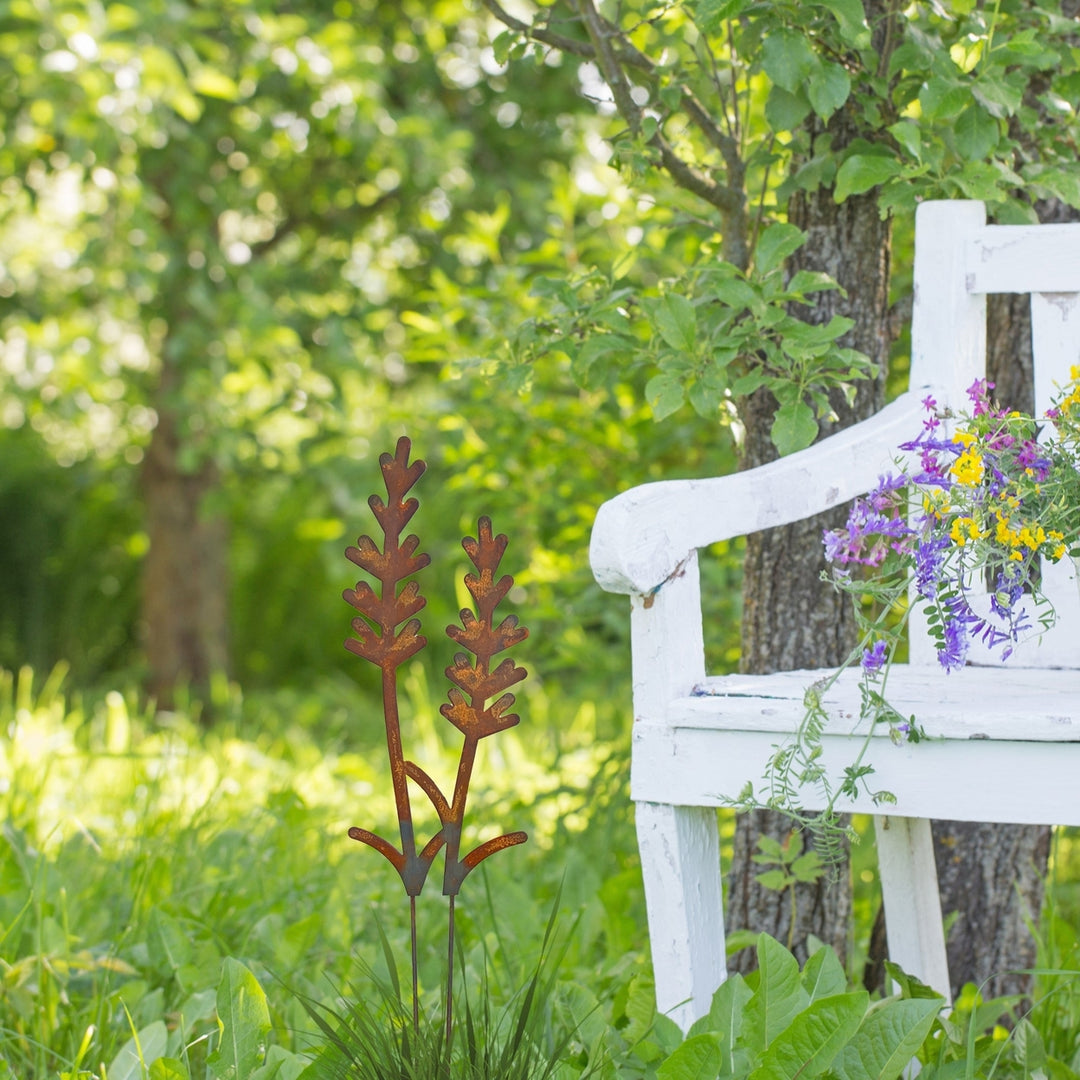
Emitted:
<point x="977" y="508"/>
<point x="990" y="503"/>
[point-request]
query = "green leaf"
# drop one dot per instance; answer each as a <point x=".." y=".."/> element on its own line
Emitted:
<point x="699" y="1058"/>
<point x="674" y="318"/>
<point x="807" y="868"/>
<point x="942" y="99"/>
<point x="711" y="14"/>
<point x="811" y="281"/>
<point x="887" y="1040"/>
<point x="976" y="133"/>
<point x="734" y="291"/>
<point x="748" y="383"/>
<point x="245" y="1021"/>
<point x="828" y="88"/>
<point x="1063" y="184"/>
<point x="794" y="427"/>
<point x="665" y="395"/>
<point x="139" y="1052"/>
<point x="784" y="110"/>
<point x="861" y="172"/>
<point x="671" y="95"/>
<point x="998" y="95"/>
<point x="910" y="987"/>
<point x="823" y="975"/>
<point x="168" y="944"/>
<point x="726" y="1014"/>
<point x="777" y="880"/>
<point x="807" y="1047"/>
<point x="168" y="1069"/>
<point x="775" y="244"/>
<point x="907" y="134"/>
<point x="788" y="59"/>
<point x="779" y="996"/>
<point x="852" y="19"/>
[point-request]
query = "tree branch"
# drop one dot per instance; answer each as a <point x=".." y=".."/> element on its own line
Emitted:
<point x="539" y="33"/>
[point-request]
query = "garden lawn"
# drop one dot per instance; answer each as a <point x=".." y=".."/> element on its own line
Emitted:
<point x="166" y="885"/>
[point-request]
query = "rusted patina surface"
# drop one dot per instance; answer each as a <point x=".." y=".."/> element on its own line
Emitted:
<point x="387" y="633"/>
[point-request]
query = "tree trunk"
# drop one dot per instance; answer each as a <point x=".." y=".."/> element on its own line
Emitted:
<point x="791" y="619"/>
<point x="184" y="593"/>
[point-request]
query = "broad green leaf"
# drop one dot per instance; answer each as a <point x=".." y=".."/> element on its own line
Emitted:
<point x="942" y="99"/>
<point x="910" y="987"/>
<point x="887" y="1040"/>
<point x="674" y="318"/>
<point x="167" y="942"/>
<point x="794" y="427"/>
<point x="828" y="88"/>
<point x="776" y="243"/>
<point x="809" y="1044"/>
<point x="1028" y="1046"/>
<point x="245" y="1021"/>
<point x="998" y="95"/>
<point x="699" y="1058"/>
<point x="976" y="133"/>
<point x="711" y="14"/>
<point x="748" y="383"/>
<point x="1064" y="184"/>
<point x="706" y="395"/>
<point x="734" y="291"/>
<point x="823" y="975"/>
<point x="779" y="996"/>
<point x="810" y="281"/>
<point x="665" y="395"/>
<point x="788" y="59"/>
<point x="281" y="1064"/>
<point x="906" y="133"/>
<point x="772" y="879"/>
<point x="852" y="19"/>
<point x="139" y="1052"/>
<point x="861" y="172"/>
<point x="784" y="110"/>
<point x="168" y="1069"/>
<point x="728" y="1008"/>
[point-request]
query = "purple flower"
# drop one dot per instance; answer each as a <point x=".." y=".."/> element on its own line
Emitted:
<point x="1029" y="458"/>
<point x="953" y="652"/>
<point x="873" y="660"/>
<point x="929" y="563"/>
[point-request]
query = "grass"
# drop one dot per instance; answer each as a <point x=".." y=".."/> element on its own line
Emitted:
<point x="146" y="863"/>
<point x="135" y="857"/>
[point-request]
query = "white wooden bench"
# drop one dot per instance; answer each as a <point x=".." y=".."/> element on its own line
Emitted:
<point x="1010" y="735"/>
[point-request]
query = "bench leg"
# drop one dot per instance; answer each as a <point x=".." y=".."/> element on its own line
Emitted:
<point x="680" y="864"/>
<point x="909" y="891"/>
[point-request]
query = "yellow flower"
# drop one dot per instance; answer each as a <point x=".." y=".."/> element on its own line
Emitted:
<point x="968" y="468"/>
<point x="964" y="529"/>
<point x="964" y="438"/>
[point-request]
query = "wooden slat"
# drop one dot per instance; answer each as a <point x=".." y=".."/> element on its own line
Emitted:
<point x="1025" y="259"/>
<point x="1028" y="783"/>
<point x="998" y="702"/>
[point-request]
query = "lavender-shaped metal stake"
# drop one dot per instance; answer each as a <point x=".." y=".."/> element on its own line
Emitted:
<point x="379" y="639"/>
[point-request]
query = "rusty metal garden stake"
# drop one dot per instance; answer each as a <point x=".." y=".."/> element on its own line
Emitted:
<point x="470" y="707"/>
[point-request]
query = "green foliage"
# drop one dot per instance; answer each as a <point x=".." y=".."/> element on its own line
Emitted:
<point x="726" y="335"/>
<point x="781" y="1023"/>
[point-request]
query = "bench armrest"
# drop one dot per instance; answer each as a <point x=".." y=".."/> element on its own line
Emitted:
<point x="641" y="537"/>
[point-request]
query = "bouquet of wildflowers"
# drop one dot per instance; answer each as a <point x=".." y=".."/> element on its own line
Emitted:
<point x="970" y="512"/>
<point x="989" y="503"/>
